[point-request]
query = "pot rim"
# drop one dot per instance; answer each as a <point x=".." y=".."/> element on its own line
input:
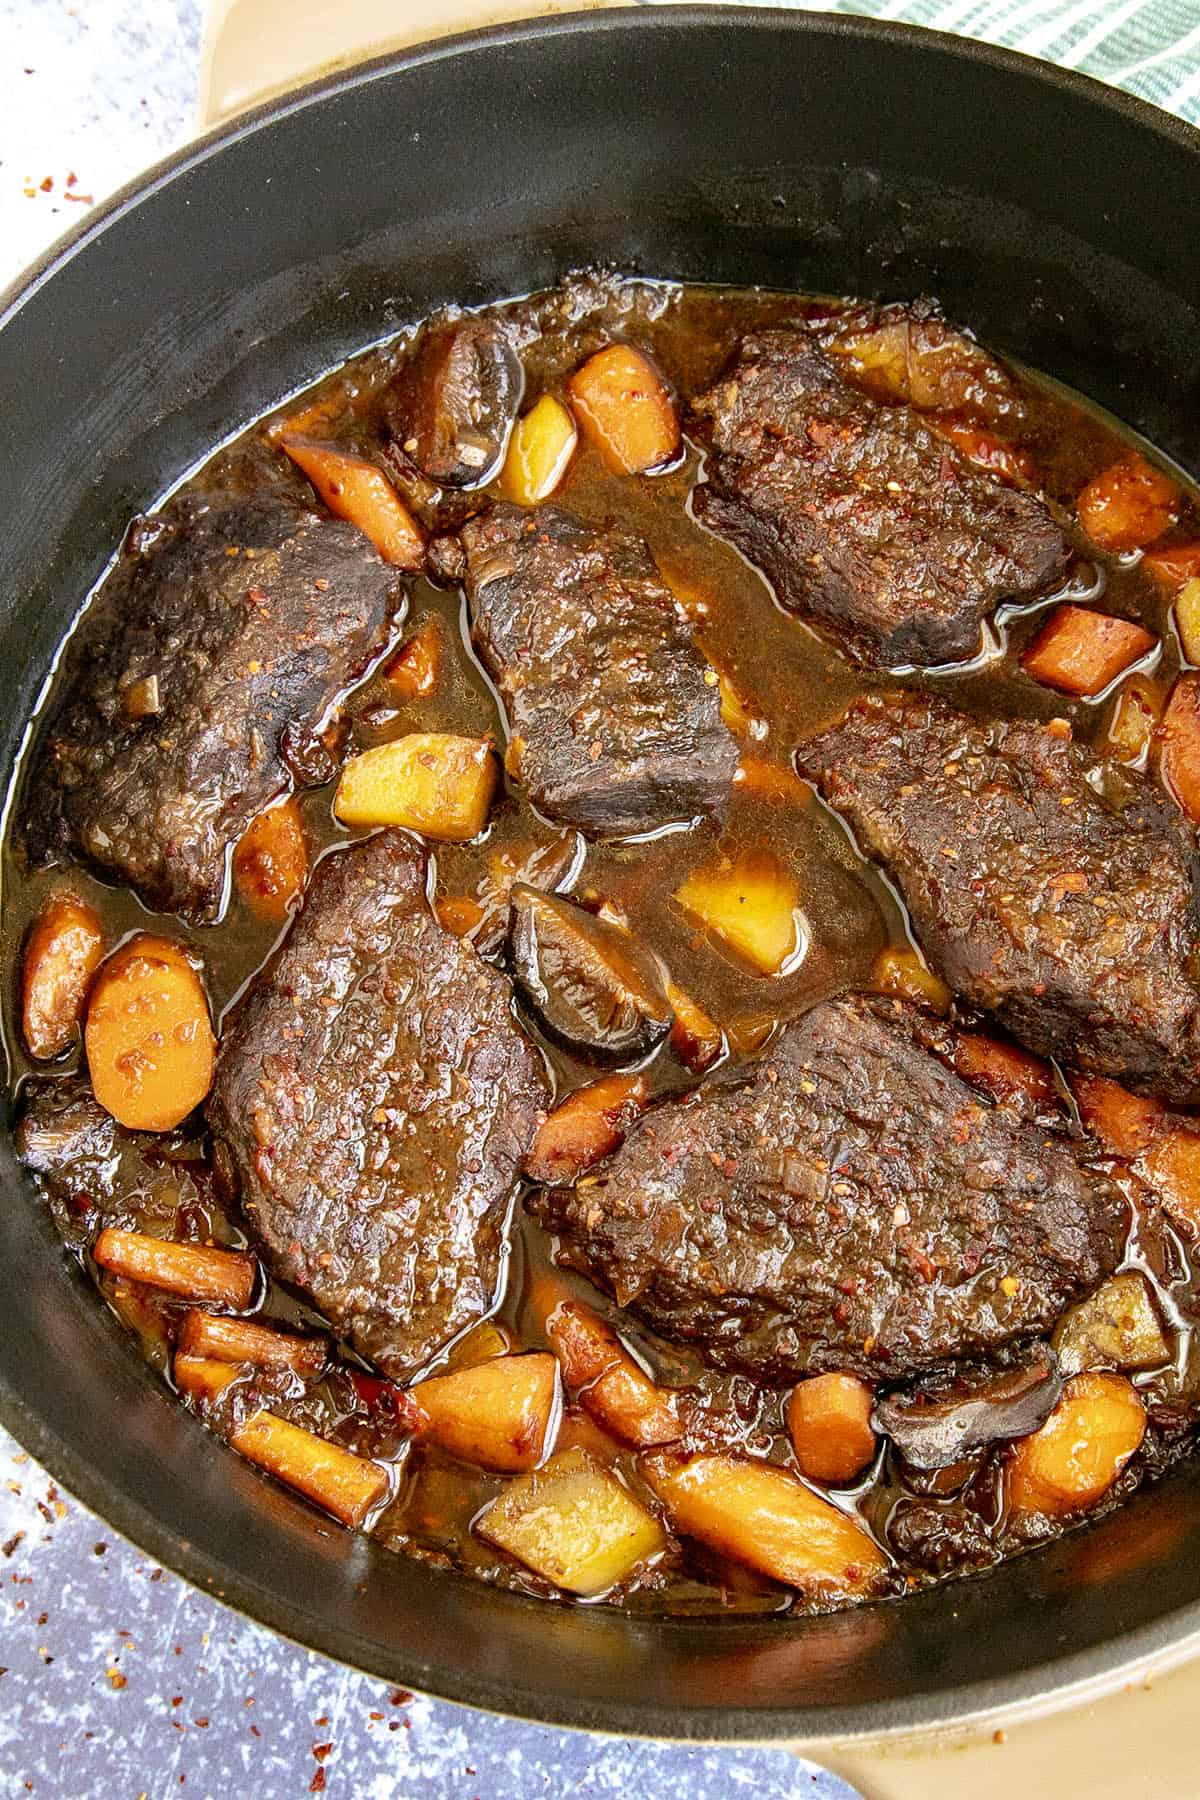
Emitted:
<point x="1057" y="1682"/>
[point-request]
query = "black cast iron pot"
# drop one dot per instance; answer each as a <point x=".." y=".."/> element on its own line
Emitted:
<point x="1056" y="217"/>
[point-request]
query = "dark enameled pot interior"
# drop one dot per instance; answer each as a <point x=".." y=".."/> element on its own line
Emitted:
<point x="1054" y="217"/>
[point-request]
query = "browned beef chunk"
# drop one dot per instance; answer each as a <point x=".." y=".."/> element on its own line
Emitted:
<point x="199" y="686"/>
<point x="452" y="403"/>
<point x="614" y="726"/>
<point x="372" y="1104"/>
<point x="846" y="1203"/>
<point x="859" y="514"/>
<point x="1066" y="910"/>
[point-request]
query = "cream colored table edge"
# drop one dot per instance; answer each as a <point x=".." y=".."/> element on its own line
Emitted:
<point x="1106" y="1739"/>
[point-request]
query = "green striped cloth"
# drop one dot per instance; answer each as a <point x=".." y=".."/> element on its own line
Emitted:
<point x="1151" y="47"/>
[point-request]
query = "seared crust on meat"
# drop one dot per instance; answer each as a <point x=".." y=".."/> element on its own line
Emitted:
<point x="1069" y="915"/>
<point x="847" y="1203"/>
<point x="373" y="1101"/>
<point x="861" y="515"/>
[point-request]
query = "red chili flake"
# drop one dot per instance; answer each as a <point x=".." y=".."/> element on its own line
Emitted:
<point x="317" y="1784"/>
<point x="323" y="1720"/>
<point x="321" y="1751"/>
<point x="202" y="1723"/>
<point x="254" y="1731"/>
<point x="176" y="1699"/>
<point x="48" y="184"/>
<point x="321" y="585"/>
<point x="84" y="199"/>
<point x="72" y="178"/>
<point x="399" y="1697"/>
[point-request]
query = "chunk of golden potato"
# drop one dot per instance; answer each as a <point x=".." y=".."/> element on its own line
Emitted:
<point x="1135" y="714"/>
<point x="1117" y="1327"/>
<point x="1072" y="1460"/>
<point x="1187" y="618"/>
<point x="574" y="1523"/>
<point x="751" y="904"/>
<point x="541" y="446"/>
<point x="760" y="1515"/>
<point x="497" y="1413"/>
<point x="430" y="781"/>
<point x="902" y="972"/>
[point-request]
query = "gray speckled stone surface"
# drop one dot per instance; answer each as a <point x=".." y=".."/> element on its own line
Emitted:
<point x="119" y="1680"/>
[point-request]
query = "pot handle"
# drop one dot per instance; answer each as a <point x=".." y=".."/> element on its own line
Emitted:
<point x="1139" y="1738"/>
<point x="257" y="49"/>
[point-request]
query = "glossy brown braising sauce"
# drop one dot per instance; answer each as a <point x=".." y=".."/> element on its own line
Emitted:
<point x="792" y="680"/>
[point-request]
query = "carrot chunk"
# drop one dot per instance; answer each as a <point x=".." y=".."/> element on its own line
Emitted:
<point x="761" y="1515"/>
<point x="270" y="864"/>
<point x="345" y="1485"/>
<point x="193" y="1271"/>
<point x="62" y="953"/>
<point x="1080" y="651"/>
<point x="618" y="1394"/>
<point x="1125" y="1123"/>
<point x="588" y="1125"/>
<point x="202" y="1378"/>
<point x="1127" y="506"/>
<point x="769" y="781"/>
<point x="623" y="405"/>
<point x="1172" y="567"/>
<point x="1179" y="745"/>
<point x="148" y="1035"/>
<point x="1003" y="1070"/>
<point x="355" y="489"/>
<point x="829" y="1423"/>
<point x="219" y="1338"/>
<point x="1072" y="1460"/>
<point x="1173" y="1168"/>
<point x="987" y="451"/>
<point x="415" y="670"/>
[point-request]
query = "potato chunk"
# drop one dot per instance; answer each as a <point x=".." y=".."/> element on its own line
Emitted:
<point x="62" y="953"/>
<point x="270" y="864"/>
<point x="358" y="491"/>
<point x="753" y="906"/>
<point x="1127" y="506"/>
<point x="574" y="1523"/>
<point x="1135" y="715"/>
<point x="148" y="1035"/>
<point x="588" y="1125"/>
<point x="1117" y="1327"/>
<point x="758" y="1514"/>
<point x="429" y="781"/>
<point x="829" y="1423"/>
<point x="202" y="1379"/>
<point x="541" y="446"/>
<point x="904" y="973"/>
<point x="497" y="1413"/>
<point x="1179" y="745"/>
<point x="1072" y="1460"/>
<point x="623" y="405"/>
<point x="1079" y="651"/>
<point x="617" y="1393"/>
<point x="1187" y="618"/>
<point x="347" y="1486"/>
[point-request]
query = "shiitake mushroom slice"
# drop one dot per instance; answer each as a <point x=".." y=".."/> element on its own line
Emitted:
<point x="933" y="1427"/>
<point x="588" y="983"/>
